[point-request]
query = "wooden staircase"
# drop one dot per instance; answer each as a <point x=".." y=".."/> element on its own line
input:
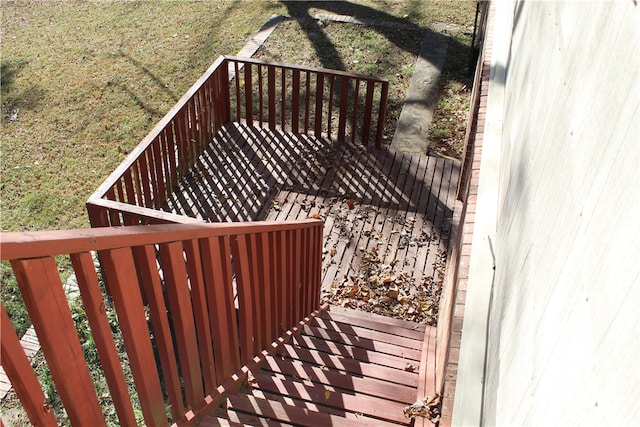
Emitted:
<point x="345" y="368"/>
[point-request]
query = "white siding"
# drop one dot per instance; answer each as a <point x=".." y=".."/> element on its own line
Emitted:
<point x="563" y="346"/>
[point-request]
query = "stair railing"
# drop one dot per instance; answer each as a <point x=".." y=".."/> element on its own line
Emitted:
<point x="194" y="303"/>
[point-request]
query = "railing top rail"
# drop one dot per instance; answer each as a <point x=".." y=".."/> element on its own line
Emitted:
<point x="310" y="69"/>
<point x="35" y="244"/>
<point x="159" y="215"/>
<point x="162" y="124"/>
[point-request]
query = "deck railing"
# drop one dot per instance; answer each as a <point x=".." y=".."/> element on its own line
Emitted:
<point x="329" y="103"/>
<point x="173" y="289"/>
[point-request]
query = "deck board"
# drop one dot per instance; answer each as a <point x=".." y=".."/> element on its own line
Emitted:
<point x="314" y="380"/>
<point x="398" y="203"/>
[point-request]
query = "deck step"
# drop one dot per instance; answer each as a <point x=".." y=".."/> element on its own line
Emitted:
<point x="346" y="368"/>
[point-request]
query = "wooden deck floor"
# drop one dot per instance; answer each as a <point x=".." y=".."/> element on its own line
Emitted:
<point x="347" y="368"/>
<point x="398" y="203"/>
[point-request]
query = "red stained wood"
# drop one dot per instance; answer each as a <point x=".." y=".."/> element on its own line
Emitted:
<point x="358" y="332"/>
<point x="120" y="273"/>
<point x="181" y="311"/>
<point x="283" y="99"/>
<point x="260" y="96"/>
<point x="46" y="303"/>
<point x="23" y="379"/>
<point x="364" y="343"/>
<point x="375" y="322"/>
<point x="344" y="97"/>
<point x="245" y="301"/>
<point x="317" y="120"/>
<point x="238" y="116"/>
<point x="348" y="365"/>
<point x="354" y="111"/>
<point x="248" y="93"/>
<point x="273" y="410"/>
<point x="201" y="314"/>
<point x="347" y="383"/>
<point x="151" y="285"/>
<point x="160" y="193"/>
<point x="171" y="155"/>
<point x="307" y="97"/>
<point x="271" y="89"/>
<point x="295" y="101"/>
<point x="93" y="302"/>
<point x="331" y="396"/>
<point x="135" y="168"/>
<point x="217" y="276"/>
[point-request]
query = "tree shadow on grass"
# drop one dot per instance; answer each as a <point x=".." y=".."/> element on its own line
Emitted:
<point x="15" y="97"/>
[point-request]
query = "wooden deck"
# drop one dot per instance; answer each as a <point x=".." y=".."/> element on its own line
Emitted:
<point x="347" y="368"/>
<point x="400" y="204"/>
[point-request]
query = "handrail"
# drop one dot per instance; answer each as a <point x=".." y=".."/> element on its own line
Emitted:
<point x="290" y="98"/>
<point x="156" y="132"/>
<point x="36" y="244"/>
<point x="194" y="303"/>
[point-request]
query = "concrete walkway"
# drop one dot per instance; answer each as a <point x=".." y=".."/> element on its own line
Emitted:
<point x="412" y="131"/>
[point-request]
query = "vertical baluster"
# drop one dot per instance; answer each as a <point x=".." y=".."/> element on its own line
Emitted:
<point x="120" y="273"/>
<point x="145" y="180"/>
<point x="201" y="313"/>
<point x="332" y="80"/>
<point x="295" y="101"/>
<point x="271" y="88"/>
<point x="114" y="217"/>
<point x="224" y="94"/>
<point x="256" y="290"/>
<point x="46" y="303"/>
<point x="192" y="139"/>
<point x="297" y="276"/>
<point x="344" y="96"/>
<point x="283" y="98"/>
<point x="306" y="101"/>
<point x="179" y="301"/>
<point x="354" y="120"/>
<point x="166" y="166"/>
<point x="146" y="266"/>
<point x="248" y="93"/>
<point x="223" y="318"/>
<point x="242" y="268"/>
<point x="275" y="281"/>
<point x="137" y="187"/>
<point x="22" y="377"/>
<point x="93" y="302"/>
<point x="317" y="121"/>
<point x="260" y="96"/>
<point x="171" y="153"/>
<point x="157" y="162"/>
<point x="121" y="196"/>
<point x="238" y="95"/>
<point x="265" y="258"/>
<point x="128" y="186"/>
<point x="180" y="123"/>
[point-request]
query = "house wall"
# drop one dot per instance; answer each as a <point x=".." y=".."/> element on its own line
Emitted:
<point x="563" y="333"/>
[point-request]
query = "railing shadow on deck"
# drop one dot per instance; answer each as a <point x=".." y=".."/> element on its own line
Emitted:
<point x="240" y="174"/>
